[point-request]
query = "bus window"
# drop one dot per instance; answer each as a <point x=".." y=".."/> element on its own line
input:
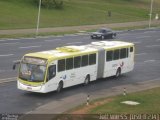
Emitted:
<point x="61" y="65"/>
<point x="77" y="62"/>
<point x="109" y="55"/>
<point x="127" y="52"/>
<point x="131" y="49"/>
<point x="92" y="59"/>
<point x="69" y="63"/>
<point x="123" y="53"/>
<point x="84" y="60"/>
<point x="116" y="54"/>
<point x="51" y="72"/>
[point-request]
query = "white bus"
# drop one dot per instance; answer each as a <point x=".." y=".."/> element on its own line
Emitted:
<point x="67" y="66"/>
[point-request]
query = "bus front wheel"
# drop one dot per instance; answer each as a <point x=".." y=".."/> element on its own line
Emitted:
<point x="87" y="80"/>
<point x="118" y="73"/>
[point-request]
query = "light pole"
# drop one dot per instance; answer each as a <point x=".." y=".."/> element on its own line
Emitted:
<point x="150" y="14"/>
<point x="38" y="18"/>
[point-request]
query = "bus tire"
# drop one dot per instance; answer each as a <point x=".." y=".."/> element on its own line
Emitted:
<point x="118" y="73"/>
<point x="60" y="87"/>
<point x="87" y="80"/>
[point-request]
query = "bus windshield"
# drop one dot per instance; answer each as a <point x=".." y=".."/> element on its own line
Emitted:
<point x="32" y="72"/>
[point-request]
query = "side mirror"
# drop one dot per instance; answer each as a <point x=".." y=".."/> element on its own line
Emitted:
<point x="15" y="63"/>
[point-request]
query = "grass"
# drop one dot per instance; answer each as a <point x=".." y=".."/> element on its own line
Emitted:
<point x="109" y="108"/>
<point x="17" y="14"/>
<point x="149" y="101"/>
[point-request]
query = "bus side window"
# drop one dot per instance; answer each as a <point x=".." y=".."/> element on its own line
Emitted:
<point x="51" y="71"/>
<point x="92" y="59"/>
<point x="131" y="49"/>
<point x="109" y="55"/>
<point x="69" y="63"/>
<point x="77" y="62"/>
<point x="84" y="60"/>
<point x="123" y="53"/>
<point x="61" y="65"/>
<point x="127" y="52"/>
<point x="116" y="54"/>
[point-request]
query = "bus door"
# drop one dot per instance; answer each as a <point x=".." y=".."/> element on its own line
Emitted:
<point x="131" y="57"/>
<point x="51" y="75"/>
<point x="69" y="75"/>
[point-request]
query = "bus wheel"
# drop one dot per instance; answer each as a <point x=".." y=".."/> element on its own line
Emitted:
<point x="118" y="73"/>
<point x="60" y="87"/>
<point x="87" y="80"/>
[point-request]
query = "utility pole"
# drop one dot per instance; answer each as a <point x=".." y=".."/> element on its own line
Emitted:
<point x="150" y="15"/>
<point x="38" y="19"/>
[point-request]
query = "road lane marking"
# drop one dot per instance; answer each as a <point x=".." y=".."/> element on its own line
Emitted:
<point x="124" y="34"/>
<point x="2" y="40"/>
<point x="6" y="55"/>
<point x="29" y="47"/>
<point x="141" y="54"/>
<point x="158" y="40"/>
<point x="52" y="40"/>
<point x="137" y="42"/>
<point x="149" y="46"/>
<point x="140" y="37"/>
<point x="6" y="80"/>
<point x="146" y="61"/>
<point x="73" y="43"/>
<point x="150" y="31"/>
<point x="9" y="43"/>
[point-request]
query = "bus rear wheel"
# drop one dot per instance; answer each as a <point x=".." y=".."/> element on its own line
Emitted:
<point x="87" y="80"/>
<point x="60" y="87"/>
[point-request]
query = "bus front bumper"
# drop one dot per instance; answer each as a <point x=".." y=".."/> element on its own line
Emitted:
<point x="39" y="89"/>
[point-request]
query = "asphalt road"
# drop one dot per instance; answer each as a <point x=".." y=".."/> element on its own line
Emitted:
<point x="147" y="67"/>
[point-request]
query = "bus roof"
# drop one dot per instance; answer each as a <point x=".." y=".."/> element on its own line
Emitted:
<point x="68" y="51"/>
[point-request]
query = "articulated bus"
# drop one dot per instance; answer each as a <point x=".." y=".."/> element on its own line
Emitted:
<point x="67" y="66"/>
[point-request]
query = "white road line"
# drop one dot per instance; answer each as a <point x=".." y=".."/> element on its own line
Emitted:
<point x="136" y="42"/>
<point x="74" y="43"/>
<point x="124" y="34"/>
<point x="9" y="43"/>
<point x="15" y="61"/>
<point x="5" y="55"/>
<point x="60" y="36"/>
<point x="52" y="40"/>
<point x="149" y="31"/>
<point x="149" y="61"/>
<point x="2" y="40"/>
<point x="70" y="35"/>
<point x="142" y="37"/>
<point x="29" y="47"/>
<point x="141" y="54"/>
<point x="5" y="80"/>
<point x="158" y="40"/>
<point x="149" y="46"/>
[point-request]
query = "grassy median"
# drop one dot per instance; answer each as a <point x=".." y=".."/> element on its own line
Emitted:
<point x="149" y="103"/>
<point x="23" y="13"/>
<point x="112" y="108"/>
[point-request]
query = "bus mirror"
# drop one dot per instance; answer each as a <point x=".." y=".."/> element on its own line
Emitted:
<point x="15" y="63"/>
